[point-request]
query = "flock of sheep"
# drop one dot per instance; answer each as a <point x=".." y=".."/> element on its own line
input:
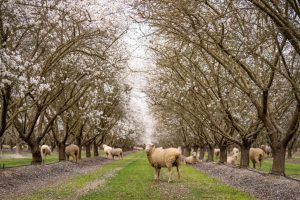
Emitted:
<point x="73" y="151"/>
<point x="166" y="158"/>
<point x="172" y="157"/>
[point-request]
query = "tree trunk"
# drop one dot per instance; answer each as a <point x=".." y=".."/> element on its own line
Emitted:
<point x="289" y="153"/>
<point x="210" y="152"/>
<point x="78" y="140"/>
<point x="244" y="163"/>
<point x="18" y="141"/>
<point x="61" y="151"/>
<point x="223" y="154"/>
<point x="96" y="152"/>
<point x="202" y="152"/>
<point x="278" y="167"/>
<point x="36" y="154"/>
<point x="88" y="150"/>
<point x="186" y="151"/>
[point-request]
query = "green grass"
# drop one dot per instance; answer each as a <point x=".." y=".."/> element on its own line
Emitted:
<point x="291" y="169"/>
<point x="15" y="162"/>
<point x="134" y="180"/>
<point x="67" y="189"/>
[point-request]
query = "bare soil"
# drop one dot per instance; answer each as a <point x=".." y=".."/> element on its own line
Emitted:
<point x="261" y="185"/>
<point x="27" y="179"/>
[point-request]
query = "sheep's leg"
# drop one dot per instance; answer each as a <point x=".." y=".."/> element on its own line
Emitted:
<point x="158" y="173"/>
<point x="170" y="173"/>
<point x="254" y="164"/>
<point x="178" y="173"/>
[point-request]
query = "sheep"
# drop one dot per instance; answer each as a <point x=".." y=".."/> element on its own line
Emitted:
<point x="267" y="149"/>
<point x="217" y="152"/>
<point x="116" y="152"/>
<point x="138" y="148"/>
<point x="159" y="157"/>
<point x="72" y="150"/>
<point x="235" y="151"/>
<point x="106" y="149"/>
<point x="45" y="150"/>
<point x="256" y="156"/>
<point x="232" y="159"/>
<point x="191" y="159"/>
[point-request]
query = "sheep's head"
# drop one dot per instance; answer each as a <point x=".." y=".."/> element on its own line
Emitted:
<point x="194" y="154"/>
<point x="149" y="147"/>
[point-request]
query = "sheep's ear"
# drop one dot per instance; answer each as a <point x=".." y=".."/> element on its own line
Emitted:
<point x="152" y="145"/>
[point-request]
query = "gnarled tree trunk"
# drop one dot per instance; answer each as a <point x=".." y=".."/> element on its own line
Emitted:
<point x="223" y="154"/>
<point x="278" y="167"/>
<point x="244" y="163"/>
<point x="36" y="153"/>
<point x="96" y="152"/>
<point x="61" y="151"/>
<point x="210" y="152"/>
<point x="88" y="150"/>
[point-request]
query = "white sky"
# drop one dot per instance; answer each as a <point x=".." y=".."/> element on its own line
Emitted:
<point x="140" y="65"/>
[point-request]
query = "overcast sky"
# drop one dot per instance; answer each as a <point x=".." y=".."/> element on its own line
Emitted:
<point x="140" y="64"/>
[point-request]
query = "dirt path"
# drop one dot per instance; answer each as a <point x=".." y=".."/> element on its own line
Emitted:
<point x="25" y="180"/>
<point x="261" y="185"/>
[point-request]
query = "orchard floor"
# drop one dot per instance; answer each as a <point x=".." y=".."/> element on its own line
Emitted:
<point x="132" y="178"/>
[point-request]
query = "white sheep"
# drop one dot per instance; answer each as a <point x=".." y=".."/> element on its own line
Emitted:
<point x="45" y="151"/>
<point x="235" y="151"/>
<point x="159" y="157"/>
<point x="138" y="148"/>
<point x="106" y="149"/>
<point x="267" y="149"/>
<point x="232" y="159"/>
<point x="191" y="159"/>
<point x="116" y="152"/>
<point x="217" y="152"/>
<point x="72" y="150"/>
<point x="256" y="156"/>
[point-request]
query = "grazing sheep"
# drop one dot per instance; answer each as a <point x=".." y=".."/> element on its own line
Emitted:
<point x="235" y="151"/>
<point x="191" y="159"/>
<point x="45" y="151"/>
<point x="256" y="156"/>
<point x="116" y="152"/>
<point x="106" y="149"/>
<point x="159" y="157"/>
<point x="217" y="152"/>
<point x="267" y="149"/>
<point x="72" y="150"/>
<point x="138" y="148"/>
<point x="232" y="159"/>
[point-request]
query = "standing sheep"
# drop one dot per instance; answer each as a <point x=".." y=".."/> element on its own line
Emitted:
<point x="267" y="149"/>
<point x="191" y="159"/>
<point x="45" y="150"/>
<point x="159" y="157"/>
<point x="235" y="151"/>
<point x="106" y="149"/>
<point x="72" y="150"/>
<point x="217" y="152"/>
<point x="116" y="152"/>
<point x="256" y="156"/>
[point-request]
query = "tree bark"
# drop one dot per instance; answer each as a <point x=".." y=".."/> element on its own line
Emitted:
<point x="61" y="151"/>
<point x="289" y="153"/>
<point x="223" y="154"/>
<point x="36" y="154"/>
<point x="202" y="152"/>
<point x="244" y="163"/>
<point x="210" y="152"/>
<point x="278" y="167"/>
<point x="88" y="150"/>
<point x="96" y="152"/>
